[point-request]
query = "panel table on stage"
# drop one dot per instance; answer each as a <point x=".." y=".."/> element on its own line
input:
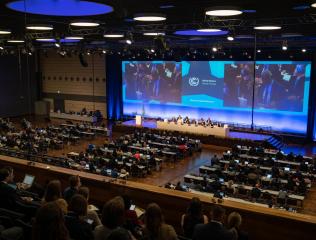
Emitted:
<point x="74" y="117"/>
<point x="208" y="130"/>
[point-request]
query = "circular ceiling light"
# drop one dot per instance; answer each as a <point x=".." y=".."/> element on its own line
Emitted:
<point x="192" y="32"/>
<point x="74" y="38"/>
<point x="45" y="40"/>
<point x="313" y="5"/>
<point x="15" y="41"/>
<point x="230" y="38"/>
<point x="65" y="8"/>
<point x="224" y="11"/>
<point x="209" y="30"/>
<point x="39" y="27"/>
<point x="267" y="27"/>
<point x="113" y="35"/>
<point x="149" y="17"/>
<point x="154" y="34"/>
<point x="84" y="24"/>
<point x="5" y="32"/>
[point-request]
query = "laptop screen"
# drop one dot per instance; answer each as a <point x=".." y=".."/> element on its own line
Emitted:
<point x="28" y="179"/>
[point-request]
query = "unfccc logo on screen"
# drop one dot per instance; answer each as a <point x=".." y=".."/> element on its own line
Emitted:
<point x="194" y="81"/>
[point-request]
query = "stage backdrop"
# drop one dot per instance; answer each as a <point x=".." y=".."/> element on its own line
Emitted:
<point x="270" y="94"/>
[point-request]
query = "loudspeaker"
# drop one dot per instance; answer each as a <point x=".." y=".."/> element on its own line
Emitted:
<point x="82" y="60"/>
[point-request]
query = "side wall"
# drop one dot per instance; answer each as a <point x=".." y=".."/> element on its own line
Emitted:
<point x="69" y="86"/>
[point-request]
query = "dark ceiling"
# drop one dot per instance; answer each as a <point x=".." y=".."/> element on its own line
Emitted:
<point x="181" y="15"/>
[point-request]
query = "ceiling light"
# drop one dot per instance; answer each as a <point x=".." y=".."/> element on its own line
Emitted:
<point x="209" y="30"/>
<point x="214" y="49"/>
<point x="230" y="38"/>
<point x="113" y="35"/>
<point x="313" y="5"/>
<point x="304" y="50"/>
<point x="267" y="27"/>
<point x="1" y="48"/>
<point x="149" y="17"/>
<point x="223" y="11"/>
<point x="39" y="27"/>
<point x="258" y="51"/>
<point x="154" y="34"/>
<point x="128" y="41"/>
<point x="57" y="44"/>
<point x="45" y="40"/>
<point x="74" y="38"/>
<point x="5" y="32"/>
<point x="152" y="50"/>
<point x="84" y="24"/>
<point x="284" y="48"/>
<point x="15" y="41"/>
<point x="104" y="51"/>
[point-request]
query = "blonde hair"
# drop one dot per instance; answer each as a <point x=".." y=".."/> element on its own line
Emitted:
<point x="234" y="220"/>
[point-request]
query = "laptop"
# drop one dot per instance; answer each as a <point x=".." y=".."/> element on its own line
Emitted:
<point x="28" y="180"/>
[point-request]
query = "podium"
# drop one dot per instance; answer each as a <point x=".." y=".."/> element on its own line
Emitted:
<point x="138" y="119"/>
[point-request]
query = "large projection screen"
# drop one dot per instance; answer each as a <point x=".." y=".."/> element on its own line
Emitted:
<point x="226" y="91"/>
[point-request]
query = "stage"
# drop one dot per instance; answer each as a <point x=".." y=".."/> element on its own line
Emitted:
<point x="152" y="124"/>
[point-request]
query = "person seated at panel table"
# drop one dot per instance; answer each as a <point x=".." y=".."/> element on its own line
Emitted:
<point x="209" y="122"/>
<point x="179" y="119"/>
<point x="256" y="192"/>
<point x="186" y="120"/>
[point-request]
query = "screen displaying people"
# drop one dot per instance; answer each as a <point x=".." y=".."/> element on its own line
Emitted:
<point x="229" y="91"/>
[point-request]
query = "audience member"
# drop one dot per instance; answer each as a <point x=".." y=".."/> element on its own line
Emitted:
<point x="79" y="228"/>
<point x="91" y="213"/>
<point x="113" y="217"/>
<point x="49" y="223"/>
<point x="214" y="230"/>
<point x="234" y="221"/>
<point x="193" y="217"/>
<point x="155" y="228"/>
<point x="74" y="185"/>
<point x="8" y="195"/>
<point x="53" y="194"/>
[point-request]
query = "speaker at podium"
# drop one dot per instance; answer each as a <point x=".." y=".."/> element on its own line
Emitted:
<point x="139" y="120"/>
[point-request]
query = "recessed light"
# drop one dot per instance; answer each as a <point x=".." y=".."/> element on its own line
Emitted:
<point x="230" y="38"/>
<point x="304" y="50"/>
<point x="267" y="27"/>
<point x="214" y="49"/>
<point x="258" y="51"/>
<point x="84" y="24"/>
<point x="5" y="32"/>
<point x="209" y="30"/>
<point x="39" y="27"/>
<point x="45" y="40"/>
<point x="313" y="5"/>
<point x="284" y="48"/>
<point x="74" y="38"/>
<point x="113" y="35"/>
<point x="149" y="17"/>
<point x="15" y="41"/>
<point x="223" y="11"/>
<point x="154" y="34"/>
<point x="128" y="41"/>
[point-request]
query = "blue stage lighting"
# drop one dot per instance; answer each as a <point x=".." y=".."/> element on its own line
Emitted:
<point x="192" y="32"/>
<point x="60" y="7"/>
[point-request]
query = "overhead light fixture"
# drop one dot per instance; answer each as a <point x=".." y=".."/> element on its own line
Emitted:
<point x="57" y="45"/>
<point x="39" y="27"/>
<point x="128" y="41"/>
<point x="74" y="38"/>
<point x="45" y="40"/>
<point x="230" y="38"/>
<point x="267" y="27"/>
<point x="84" y="24"/>
<point x="5" y="32"/>
<point x="313" y="5"/>
<point x="104" y="51"/>
<point x="152" y="50"/>
<point x="113" y="35"/>
<point x="258" y="51"/>
<point x="284" y="45"/>
<point x="149" y="17"/>
<point x="154" y="34"/>
<point x="223" y="11"/>
<point x="15" y="41"/>
<point x="1" y="48"/>
<point x="209" y="30"/>
<point x="304" y="50"/>
<point x="214" y="49"/>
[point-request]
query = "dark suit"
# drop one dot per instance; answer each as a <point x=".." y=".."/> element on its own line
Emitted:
<point x="8" y="196"/>
<point x="68" y="193"/>
<point x="78" y="229"/>
<point x="212" y="231"/>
